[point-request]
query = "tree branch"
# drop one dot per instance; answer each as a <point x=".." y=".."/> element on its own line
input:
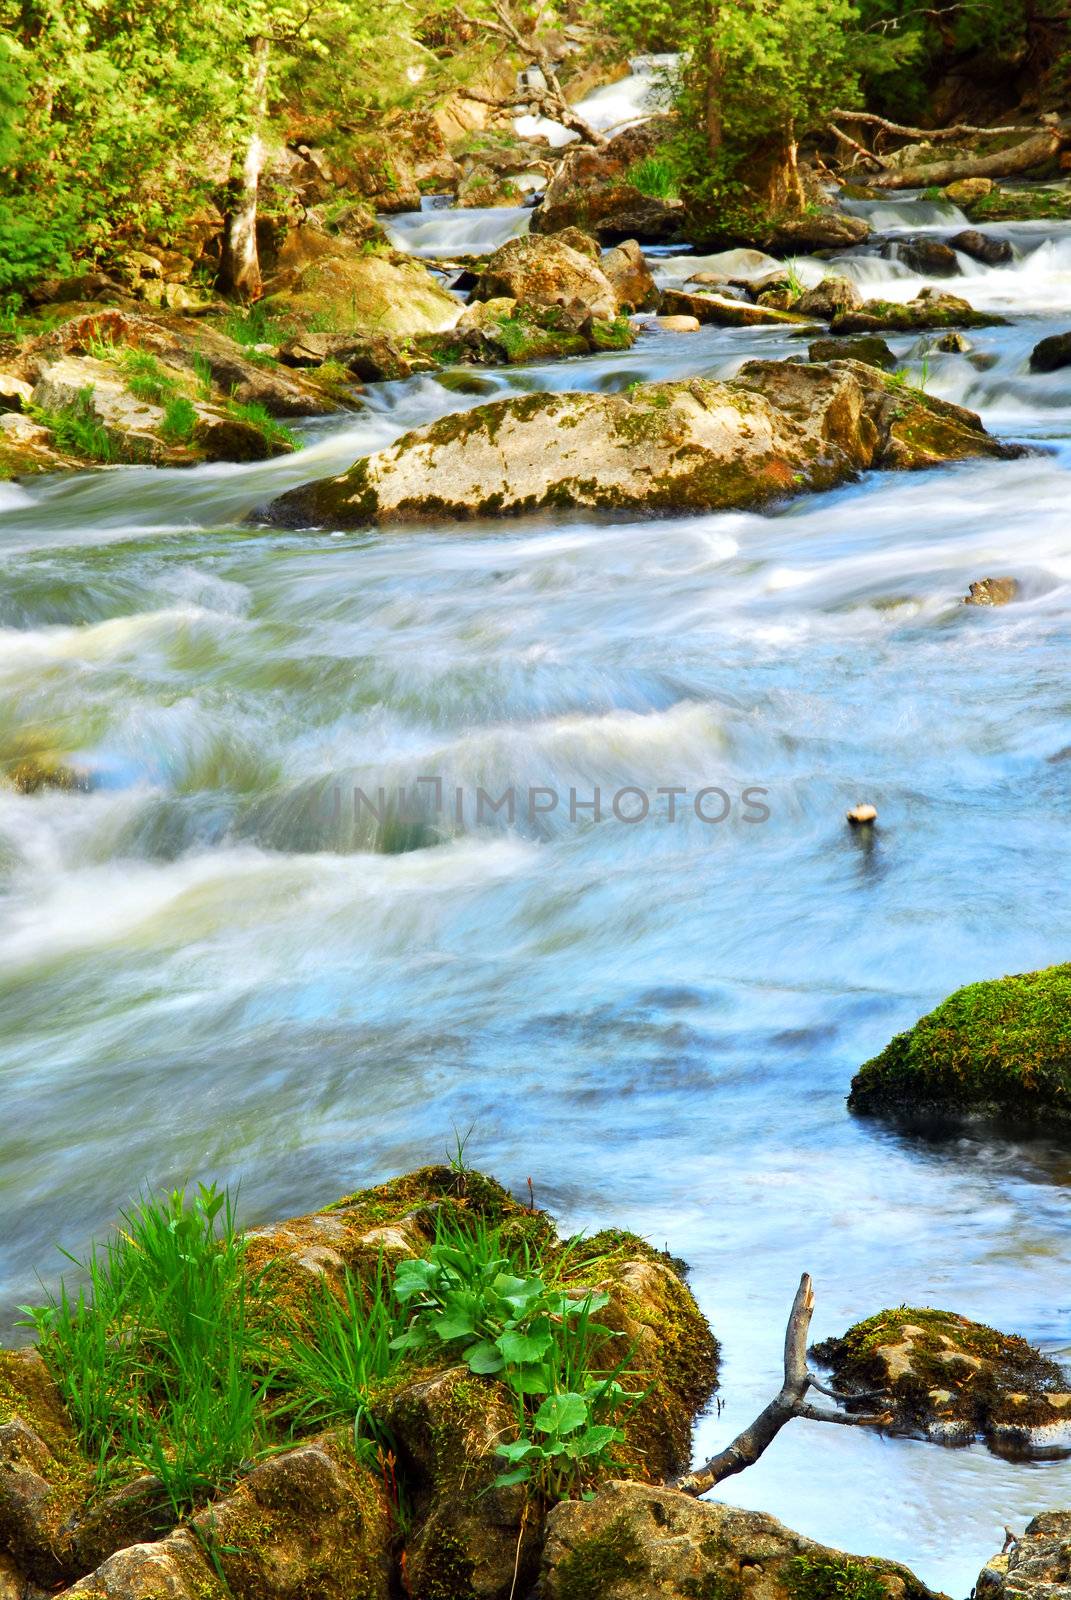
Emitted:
<point x="551" y="100"/>
<point x="860" y="149"/>
<point x="790" y="1401"/>
<point x="933" y="135"/>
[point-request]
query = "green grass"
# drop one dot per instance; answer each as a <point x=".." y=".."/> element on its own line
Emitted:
<point x="180" y="420"/>
<point x="77" y="429"/>
<point x="253" y="325"/>
<point x="654" y="176"/>
<point x="146" y="378"/>
<point x="202" y="371"/>
<point x="274" y="431"/>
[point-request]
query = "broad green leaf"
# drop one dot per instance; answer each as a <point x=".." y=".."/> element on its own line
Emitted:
<point x="484" y="1357"/>
<point x="562" y="1413"/>
<point x="521" y="1349"/>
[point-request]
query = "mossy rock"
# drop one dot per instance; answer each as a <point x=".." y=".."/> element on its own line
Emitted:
<point x="997" y="1048"/>
<point x="927" y="311"/>
<point x="941" y="1377"/>
<point x="1022" y="205"/>
<point x="44" y="1478"/>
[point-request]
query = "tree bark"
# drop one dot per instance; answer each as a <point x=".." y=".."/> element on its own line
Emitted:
<point x="239" y="270"/>
<point x="713" y="121"/>
<point x="1021" y="157"/>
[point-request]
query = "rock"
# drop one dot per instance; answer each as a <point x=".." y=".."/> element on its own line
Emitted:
<point x="30" y="774"/>
<point x="1033" y="204"/>
<point x="964" y="190"/>
<point x="1037" y="1567"/>
<point x="319" y="274"/>
<point x="927" y="310"/>
<point x="980" y="247"/>
<point x="955" y="344"/>
<point x="677" y="324"/>
<point x="43" y="1477"/>
<point x="630" y="277"/>
<point x="722" y="311"/>
<point x="928" y="256"/>
<point x="999" y="1048"/>
<point x="819" y="230"/>
<point x="15" y="393"/>
<point x="357" y="221"/>
<point x="938" y="1376"/>
<point x="559" y="271"/>
<point x="992" y="592"/>
<point x="1050" y="354"/>
<point x="486" y="313"/>
<point x="482" y="187"/>
<point x="634" y="1541"/>
<point x="591" y="190"/>
<point x="372" y="357"/>
<point x="868" y="348"/>
<point x="775" y="429"/>
<point x="176" y="1568"/>
<point x="27" y="447"/>
<point x="96" y="389"/>
<point x="829" y="297"/>
<point x="861" y="815"/>
<point x="378" y="166"/>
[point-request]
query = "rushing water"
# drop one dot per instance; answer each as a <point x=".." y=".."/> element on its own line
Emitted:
<point x="207" y="970"/>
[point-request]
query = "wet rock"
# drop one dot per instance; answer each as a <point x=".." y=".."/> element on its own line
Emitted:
<point x="1050" y="354"/>
<point x="861" y="815"/>
<point x="677" y="323"/>
<point x="630" y="277"/>
<point x="31" y="774"/>
<point x="591" y="190"/>
<point x="829" y="297"/>
<point x="997" y="1048"/>
<point x="956" y="344"/>
<point x="15" y="393"/>
<point x="562" y="270"/>
<point x="775" y="429"/>
<point x="980" y="247"/>
<point x="371" y="357"/>
<point x="318" y="274"/>
<point x="1033" y="204"/>
<point x="938" y="1376"/>
<point x="929" y="257"/>
<point x="964" y="190"/>
<point x="722" y="311"/>
<point x="634" y="1541"/>
<point x="819" y="230"/>
<point x="992" y="592"/>
<point x="927" y="310"/>
<point x="482" y="187"/>
<point x="1037" y="1567"/>
<point x="27" y="447"/>
<point x="871" y="350"/>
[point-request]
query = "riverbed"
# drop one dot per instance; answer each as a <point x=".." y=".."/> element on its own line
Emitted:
<point x="210" y="968"/>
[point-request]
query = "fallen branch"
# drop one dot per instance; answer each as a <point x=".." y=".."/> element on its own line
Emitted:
<point x="790" y="1402"/>
<point x="550" y="100"/>
<point x="860" y="149"/>
<point x="934" y="135"/>
<point x="1002" y="164"/>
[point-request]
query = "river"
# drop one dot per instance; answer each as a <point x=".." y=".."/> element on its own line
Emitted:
<point x="206" y="970"/>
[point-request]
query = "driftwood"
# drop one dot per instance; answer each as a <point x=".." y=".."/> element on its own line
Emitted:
<point x="790" y="1402"/>
<point x="1009" y="163"/>
<point x="958" y="130"/>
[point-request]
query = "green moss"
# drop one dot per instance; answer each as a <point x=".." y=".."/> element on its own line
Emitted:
<point x="446" y="1573"/>
<point x="1022" y="205"/>
<point x="826" y="1577"/>
<point x="1003" y="1045"/>
<point x="594" y="1567"/>
<point x="616" y="334"/>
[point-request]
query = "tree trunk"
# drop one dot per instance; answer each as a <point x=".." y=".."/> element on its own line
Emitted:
<point x="1032" y="152"/>
<point x="712" y="87"/>
<point x="239" y="269"/>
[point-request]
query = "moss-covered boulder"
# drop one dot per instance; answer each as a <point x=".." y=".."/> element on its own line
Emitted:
<point x="943" y="1378"/>
<point x="633" y="1541"/>
<point x="871" y="350"/>
<point x="1030" y="203"/>
<point x="997" y="1048"/>
<point x="774" y="430"/>
<point x="1036" y="1566"/>
<point x="927" y="310"/>
<point x="43" y="1476"/>
<point x="561" y="271"/>
<point x="347" y="286"/>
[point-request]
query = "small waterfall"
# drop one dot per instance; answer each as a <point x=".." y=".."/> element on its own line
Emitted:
<point x="448" y="232"/>
<point x="642" y="94"/>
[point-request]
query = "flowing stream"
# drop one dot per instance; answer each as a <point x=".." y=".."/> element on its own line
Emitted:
<point x="207" y="968"/>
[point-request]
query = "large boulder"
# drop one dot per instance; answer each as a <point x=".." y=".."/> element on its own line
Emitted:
<point x="1050" y="354"/>
<point x="940" y="1377"/>
<point x="634" y="1541"/>
<point x="630" y="277"/>
<point x="817" y="230"/>
<point x="927" y="310"/>
<point x="1035" y="1567"/>
<point x="775" y="429"/>
<point x="1000" y="1048"/>
<point x="981" y="247"/>
<point x="318" y="274"/>
<point x="594" y="189"/>
<point x="930" y="257"/>
<point x="560" y="271"/>
<point x="828" y="298"/>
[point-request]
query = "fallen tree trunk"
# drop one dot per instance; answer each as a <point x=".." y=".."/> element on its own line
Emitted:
<point x="1022" y="157"/>
<point x="789" y="1402"/>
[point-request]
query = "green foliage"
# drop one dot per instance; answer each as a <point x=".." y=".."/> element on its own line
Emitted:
<point x="180" y="420"/>
<point x="830" y="1577"/>
<point x="155" y="1362"/>
<point x="253" y="325"/>
<point x="77" y="429"/>
<point x="536" y="1338"/>
<point x="642" y="24"/>
<point x="274" y="431"/>
<point x="654" y="176"/>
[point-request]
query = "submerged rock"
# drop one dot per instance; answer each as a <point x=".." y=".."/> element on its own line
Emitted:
<point x="949" y="1380"/>
<point x="632" y="1542"/>
<point x="991" y="592"/>
<point x="1050" y="354"/>
<point x="1036" y="1567"/>
<point x="774" y="430"/>
<point x="997" y="1048"/>
<point x="927" y="310"/>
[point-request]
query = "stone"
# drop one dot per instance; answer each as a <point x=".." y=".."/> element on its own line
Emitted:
<point x="929" y="257"/>
<point x="992" y="592"/>
<point x="15" y="393"/>
<point x="486" y="313"/>
<point x="562" y="270"/>
<point x="677" y="324"/>
<point x="1050" y="354"/>
<point x="775" y="429"/>
<point x="829" y="297"/>
<point x="868" y="348"/>
<point x="175" y="1568"/>
<point x="372" y="357"/>
<point x="818" y="230"/>
<point x="938" y="1376"/>
<point x="980" y="247"/>
<point x="927" y="310"/>
<point x="723" y="311"/>
<point x="964" y="190"/>
<point x="1000" y="1048"/>
<point x="634" y="1541"/>
<point x="630" y="277"/>
<point x="1038" y="1565"/>
<point x="861" y="815"/>
<point x="954" y="344"/>
<point x="330" y="277"/>
<point x="591" y="190"/>
<point x="43" y="1477"/>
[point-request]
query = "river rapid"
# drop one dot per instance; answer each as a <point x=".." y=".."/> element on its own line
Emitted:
<point x="208" y="969"/>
